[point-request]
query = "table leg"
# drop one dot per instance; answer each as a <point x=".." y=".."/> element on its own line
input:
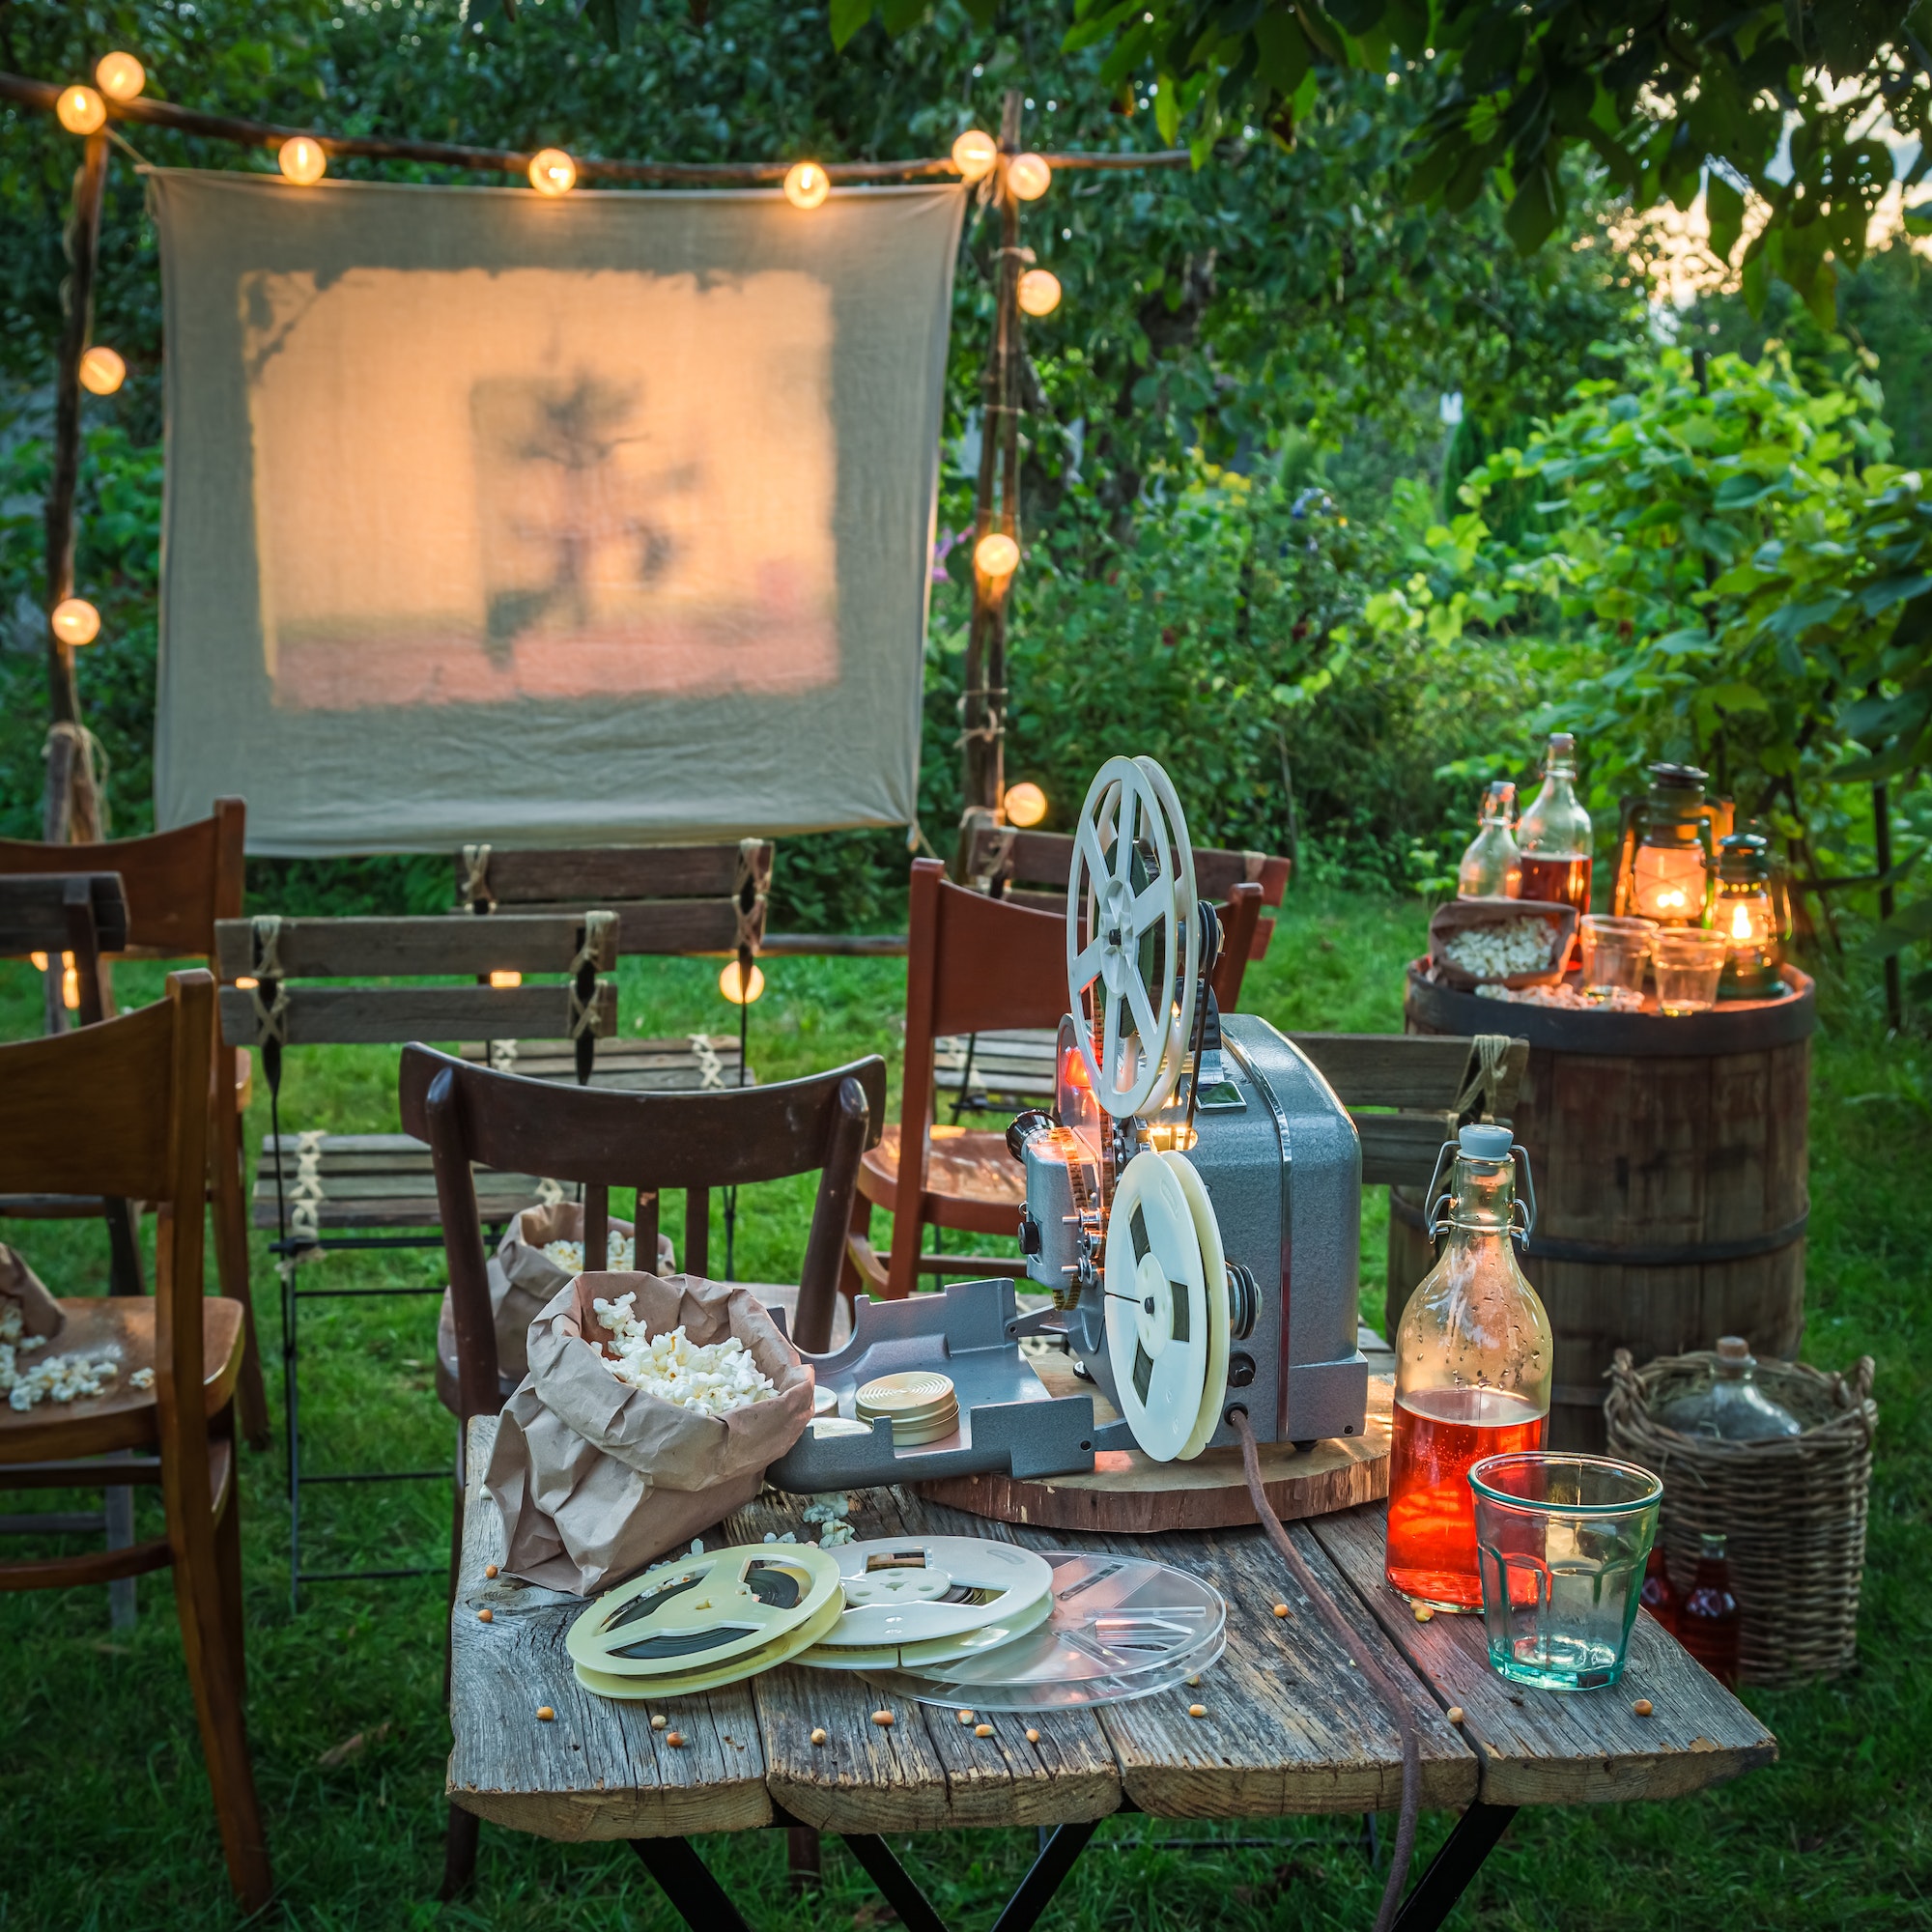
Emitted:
<point x="1434" y="1896"/>
<point x="1042" y="1881"/>
<point x="897" y="1884"/>
<point x="694" y="1896"/>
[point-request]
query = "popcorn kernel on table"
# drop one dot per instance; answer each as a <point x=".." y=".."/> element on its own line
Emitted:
<point x="1032" y="1736"/>
<point x="983" y="1730"/>
<point x="658" y="1721"/>
<point x="1197" y="1710"/>
<point x="1281" y="1610"/>
<point x="675" y="1739"/>
<point x="1423" y="1613"/>
<point x="818" y="1736"/>
<point x="1641" y="1707"/>
<point x="491" y="1569"/>
<point x="1454" y="1714"/>
<point x="883" y="1719"/>
<point x="486" y="1615"/>
<point x="544" y="1715"/>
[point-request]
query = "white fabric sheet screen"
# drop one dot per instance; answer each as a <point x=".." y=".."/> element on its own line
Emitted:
<point x="605" y="520"/>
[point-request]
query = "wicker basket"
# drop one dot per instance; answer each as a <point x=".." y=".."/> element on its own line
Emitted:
<point x="1793" y="1508"/>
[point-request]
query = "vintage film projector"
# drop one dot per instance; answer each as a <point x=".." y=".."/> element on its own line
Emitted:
<point x="1192" y="1207"/>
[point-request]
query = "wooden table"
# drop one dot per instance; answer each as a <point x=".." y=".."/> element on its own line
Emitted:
<point x="1290" y="1728"/>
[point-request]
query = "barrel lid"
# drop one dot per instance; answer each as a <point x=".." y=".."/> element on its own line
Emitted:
<point x="1486" y="1142"/>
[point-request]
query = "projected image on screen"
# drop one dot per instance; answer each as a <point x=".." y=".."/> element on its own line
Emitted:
<point x="471" y="488"/>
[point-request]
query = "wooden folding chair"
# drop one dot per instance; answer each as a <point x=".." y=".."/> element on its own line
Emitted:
<point x="178" y="884"/>
<point x="324" y="1192"/>
<point x="471" y="1116"/>
<point x="121" y="1109"/>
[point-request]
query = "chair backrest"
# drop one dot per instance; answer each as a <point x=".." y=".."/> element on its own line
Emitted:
<point x="84" y="914"/>
<point x="120" y="1110"/>
<point x="604" y="1138"/>
<point x="277" y="953"/>
<point x="1032" y="867"/>
<point x="178" y="883"/>
<point x="668" y="898"/>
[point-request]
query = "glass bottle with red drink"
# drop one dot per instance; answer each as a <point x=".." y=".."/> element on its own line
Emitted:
<point x="1660" y="1594"/>
<point x="1474" y="1364"/>
<point x="1553" y="834"/>
<point x="1707" y="1624"/>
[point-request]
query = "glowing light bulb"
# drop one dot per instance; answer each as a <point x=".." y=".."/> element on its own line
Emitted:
<point x="120" y="76"/>
<point x="1039" y="292"/>
<point x="76" y="621"/>
<point x="69" y="983"/>
<point x="975" y="154"/>
<point x="40" y="961"/>
<point x="552" y="172"/>
<point x="1028" y="176"/>
<point x="997" y="553"/>
<point x="806" y="185"/>
<point x="80" y="111"/>
<point x="1025" y="805"/>
<point x="501" y="980"/>
<point x="102" y="370"/>
<point x="302" y="161"/>
<point x="741" y="994"/>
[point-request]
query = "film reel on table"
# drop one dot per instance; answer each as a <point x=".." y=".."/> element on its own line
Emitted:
<point x="1131" y="891"/>
<point x="706" y="1620"/>
<point x="917" y="1600"/>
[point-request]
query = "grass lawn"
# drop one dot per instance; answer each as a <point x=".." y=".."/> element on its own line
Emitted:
<point x="104" y="1809"/>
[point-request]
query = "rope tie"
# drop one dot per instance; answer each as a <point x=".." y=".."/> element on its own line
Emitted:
<point x="476" y="877"/>
<point x="1490" y="1052"/>
<point x="599" y="930"/>
<point x="504" y="1055"/>
<point x="597" y="925"/>
<point x="271" y="1018"/>
<point x="710" y="1068"/>
<point x="749" y="899"/>
<point x="549" y="1194"/>
<point x="307" y="1193"/>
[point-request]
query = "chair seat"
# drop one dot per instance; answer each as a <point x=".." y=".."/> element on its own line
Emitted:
<point x="773" y="1294"/>
<point x="123" y="1417"/>
<point x="972" y="1181"/>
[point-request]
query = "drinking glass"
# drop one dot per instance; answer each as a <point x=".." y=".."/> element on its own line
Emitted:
<point x="1562" y="1542"/>
<point x="1614" y="951"/>
<point x="1688" y="964"/>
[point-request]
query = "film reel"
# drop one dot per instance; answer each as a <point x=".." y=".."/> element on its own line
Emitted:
<point x="1131" y="891"/>
<point x="1220" y="1316"/>
<point x="1159" y="1326"/>
<point x="706" y="1620"/>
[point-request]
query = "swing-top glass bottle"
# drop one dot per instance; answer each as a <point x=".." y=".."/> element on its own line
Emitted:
<point x="1473" y="1363"/>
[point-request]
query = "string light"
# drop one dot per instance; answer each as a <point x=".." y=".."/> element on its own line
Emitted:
<point x="76" y="621"/>
<point x="102" y="370"/>
<point x="500" y="980"/>
<point x="743" y="994"/>
<point x="975" y="154"/>
<point x="1028" y="176"/>
<point x="70" y="978"/>
<point x="80" y="111"/>
<point x="120" y="76"/>
<point x="302" y="161"/>
<point x="806" y="185"/>
<point x="1039" y="292"/>
<point x="552" y="172"/>
<point x="997" y="555"/>
<point x="1025" y="805"/>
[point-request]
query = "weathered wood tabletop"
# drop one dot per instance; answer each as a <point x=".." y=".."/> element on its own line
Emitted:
<point x="1290" y="1726"/>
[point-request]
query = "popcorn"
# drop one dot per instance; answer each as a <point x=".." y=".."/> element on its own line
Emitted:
<point x="141" y="1378"/>
<point x="1609" y="1000"/>
<point x="1494" y="952"/>
<point x="55" y="1378"/>
<point x="620" y="1254"/>
<point x="831" y="1511"/>
<point x="710" y="1378"/>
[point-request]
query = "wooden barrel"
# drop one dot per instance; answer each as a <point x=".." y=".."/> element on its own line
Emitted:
<point x="1671" y="1163"/>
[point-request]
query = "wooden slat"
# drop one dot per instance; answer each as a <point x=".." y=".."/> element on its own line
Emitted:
<point x="1291" y="1726"/>
<point x="1388" y="1069"/>
<point x="34" y="917"/>
<point x="1045" y="858"/>
<point x="632" y="1065"/>
<point x="596" y="875"/>
<point x="378" y="1181"/>
<point x="598" y="1771"/>
<point x="925" y="1770"/>
<point x="668" y="925"/>
<point x="418" y="947"/>
<point x="1401" y="1147"/>
<point x="393" y="1015"/>
<point x="1553" y="1747"/>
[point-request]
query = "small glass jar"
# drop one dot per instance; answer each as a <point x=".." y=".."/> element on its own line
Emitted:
<point x="1615" y="952"/>
<point x="1687" y="963"/>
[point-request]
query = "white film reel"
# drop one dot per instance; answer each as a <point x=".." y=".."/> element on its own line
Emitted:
<point x="1215" y="1273"/>
<point x="930" y="1599"/>
<point x="1131" y="891"/>
<point x="1161" y="1321"/>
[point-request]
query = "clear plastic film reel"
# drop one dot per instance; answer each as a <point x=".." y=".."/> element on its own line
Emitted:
<point x="1131" y="894"/>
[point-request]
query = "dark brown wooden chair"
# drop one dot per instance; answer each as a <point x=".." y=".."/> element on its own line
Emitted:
<point x="121" y="1109"/>
<point x="178" y="884"/>
<point x="474" y="1116"/>
<point x="322" y="1191"/>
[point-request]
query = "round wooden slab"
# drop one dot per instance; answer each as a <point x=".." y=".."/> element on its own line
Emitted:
<point x="1128" y="1493"/>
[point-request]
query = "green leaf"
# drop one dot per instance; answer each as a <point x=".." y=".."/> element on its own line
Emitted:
<point x="1533" y="217"/>
<point x="1284" y="53"/>
<point x="1890" y="590"/>
<point x="847" y="17"/>
<point x="1725" y="207"/>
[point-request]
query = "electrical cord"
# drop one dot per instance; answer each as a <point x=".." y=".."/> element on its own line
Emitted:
<point x="1359" y="1655"/>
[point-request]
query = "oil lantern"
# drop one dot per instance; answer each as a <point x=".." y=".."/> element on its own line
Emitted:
<point x="1664" y="851"/>
<point x="1746" y="916"/>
